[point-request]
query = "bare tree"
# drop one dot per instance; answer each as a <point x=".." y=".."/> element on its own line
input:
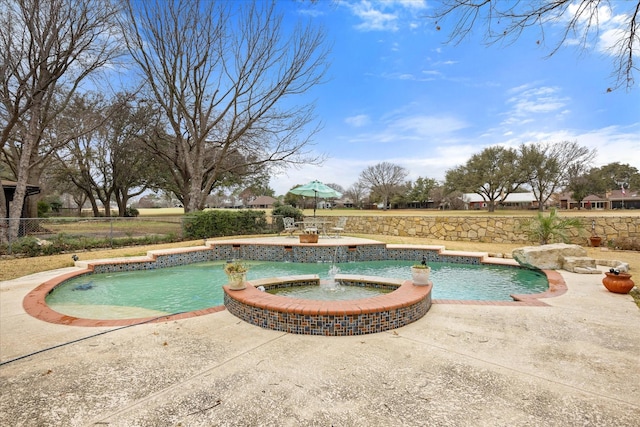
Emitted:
<point x="507" y="20"/>
<point x="384" y="179"/>
<point x="224" y="75"/>
<point x="339" y="188"/>
<point x="548" y="167"/>
<point x="356" y="193"/>
<point x="48" y="48"/>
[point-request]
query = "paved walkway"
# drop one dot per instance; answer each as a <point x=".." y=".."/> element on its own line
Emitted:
<point x="574" y="362"/>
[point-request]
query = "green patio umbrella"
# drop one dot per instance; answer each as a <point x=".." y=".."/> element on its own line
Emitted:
<point x="316" y="189"/>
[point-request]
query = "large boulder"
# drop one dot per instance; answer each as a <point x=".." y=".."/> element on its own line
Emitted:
<point x="547" y="257"/>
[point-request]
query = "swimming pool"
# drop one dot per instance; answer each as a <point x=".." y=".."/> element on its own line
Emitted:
<point x="198" y="286"/>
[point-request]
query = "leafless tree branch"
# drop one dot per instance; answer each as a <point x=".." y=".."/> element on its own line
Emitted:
<point x="506" y="21"/>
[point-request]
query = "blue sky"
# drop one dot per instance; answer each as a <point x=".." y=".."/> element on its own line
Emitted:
<point x="397" y="92"/>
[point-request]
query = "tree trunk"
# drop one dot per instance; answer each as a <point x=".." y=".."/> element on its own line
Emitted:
<point x="29" y="145"/>
<point x="4" y="226"/>
<point x="106" y="203"/>
<point x="195" y="195"/>
<point x="94" y="206"/>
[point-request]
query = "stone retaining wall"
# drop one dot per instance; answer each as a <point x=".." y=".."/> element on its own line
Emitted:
<point x="497" y="229"/>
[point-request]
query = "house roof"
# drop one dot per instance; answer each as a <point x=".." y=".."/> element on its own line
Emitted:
<point x="629" y="195"/>
<point x="612" y="195"/>
<point x="31" y="189"/>
<point x="262" y="201"/>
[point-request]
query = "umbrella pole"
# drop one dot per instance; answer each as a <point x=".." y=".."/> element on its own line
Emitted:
<point x="315" y="204"/>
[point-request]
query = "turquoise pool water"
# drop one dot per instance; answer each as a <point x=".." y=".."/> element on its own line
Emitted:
<point x="198" y="286"/>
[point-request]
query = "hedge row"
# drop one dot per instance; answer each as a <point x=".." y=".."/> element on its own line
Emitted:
<point x="217" y="223"/>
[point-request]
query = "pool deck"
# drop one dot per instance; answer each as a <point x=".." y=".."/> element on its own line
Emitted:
<point x="573" y="361"/>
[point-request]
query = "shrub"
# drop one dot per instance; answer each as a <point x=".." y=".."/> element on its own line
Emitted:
<point x="43" y="208"/>
<point x="549" y="228"/>
<point x="626" y="244"/>
<point x="131" y="212"/>
<point x="200" y="225"/>
<point x="26" y="245"/>
<point x="282" y="211"/>
<point x="31" y="246"/>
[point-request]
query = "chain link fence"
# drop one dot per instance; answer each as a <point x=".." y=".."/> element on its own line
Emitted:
<point x="44" y="236"/>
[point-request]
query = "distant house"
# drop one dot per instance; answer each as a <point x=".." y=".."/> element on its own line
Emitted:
<point x="614" y="199"/>
<point x="9" y="188"/>
<point x="345" y="202"/>
<point x="513" y="200"/>
<point x="629" y="200"/>
<point x="262" y="202"/>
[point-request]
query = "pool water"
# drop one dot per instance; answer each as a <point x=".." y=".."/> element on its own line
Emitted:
<point x="199" y="286"/>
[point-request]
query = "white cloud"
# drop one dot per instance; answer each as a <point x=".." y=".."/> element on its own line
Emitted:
<point x="387" y="15"/>
<point x="358" y="121"/>
<point x="313" y="12"/>
<point x="422" y="126"/>
<point x="612" y="143"/>
<point x="416" y="5"/>
<point x="423" y="129"/>
<point x="529" y="102"/>
<point x="373" y="19"/>
<point x="335" y="170"/>
<point x="603" y="26"/>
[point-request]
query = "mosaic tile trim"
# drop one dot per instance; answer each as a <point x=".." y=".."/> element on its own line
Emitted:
<point x="330" y="318"/>
<point x="366" y="284"/>
<point x="157" y="261"/>
<point x="291" y="284"/>
<point x="328" y="324"/>
<point x="401" y="254"/>
<point x="283" y="253"/>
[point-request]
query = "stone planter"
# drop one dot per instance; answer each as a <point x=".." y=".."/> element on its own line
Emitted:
<point x="420" y="276"/>
<point x="595" y="241"/>
<point x="308" y="238"/>
<point x="620" y="283"/>
<point x="237" y="281"/>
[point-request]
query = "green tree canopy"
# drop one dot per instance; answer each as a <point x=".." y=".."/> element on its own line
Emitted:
<point x="493" y="173"/>
<point x="420" y="190"/>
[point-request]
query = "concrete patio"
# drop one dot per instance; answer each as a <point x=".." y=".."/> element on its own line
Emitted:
<point x="574" y="362"/>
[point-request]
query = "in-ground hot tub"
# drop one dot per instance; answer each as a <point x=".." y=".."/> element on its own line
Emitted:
<point x="405" y="304"/>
